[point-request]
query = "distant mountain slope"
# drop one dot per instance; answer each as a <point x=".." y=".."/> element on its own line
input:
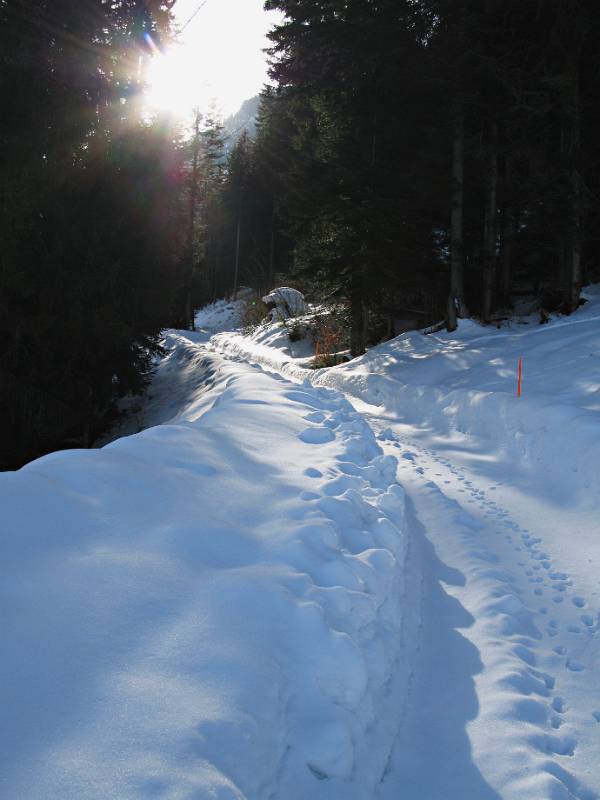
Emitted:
<point x="243" y="120"/>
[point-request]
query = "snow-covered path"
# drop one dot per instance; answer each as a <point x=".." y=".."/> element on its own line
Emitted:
<point x="505" y="701"/>
<point x="503" y="518"/>
<point x="212" y="608"/>
<point x="360" y="583"/>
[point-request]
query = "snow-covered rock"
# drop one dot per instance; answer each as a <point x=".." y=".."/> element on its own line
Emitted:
<point x="285" y="303"/>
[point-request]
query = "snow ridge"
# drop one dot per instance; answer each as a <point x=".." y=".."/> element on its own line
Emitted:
<point x="209" y="608"/>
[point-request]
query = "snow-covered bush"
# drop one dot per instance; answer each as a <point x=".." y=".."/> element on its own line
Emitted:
<point x="298" y="329"/>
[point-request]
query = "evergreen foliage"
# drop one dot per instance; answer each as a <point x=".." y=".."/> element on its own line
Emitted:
<point x="430" y="156"/>
<point x="88" y="219"/>
<point x="427" y="158"/>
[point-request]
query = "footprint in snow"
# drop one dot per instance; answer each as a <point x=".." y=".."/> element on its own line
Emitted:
<point x="317" y="435"/>
<point x="559" y="745"/>
<point x="315" y="416"/>
<point x="574" y="666"/>
<point x="558" y="705"/>
<point x="313" y="473"/>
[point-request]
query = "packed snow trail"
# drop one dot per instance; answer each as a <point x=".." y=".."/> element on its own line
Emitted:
<point x="505" y="696"/>
<point x="506" y="641"/>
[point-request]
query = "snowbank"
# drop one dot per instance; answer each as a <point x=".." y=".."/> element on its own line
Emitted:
<point x="464" y="384"/>
<point x="221" y="315"/>
<point x="210" y="608"/>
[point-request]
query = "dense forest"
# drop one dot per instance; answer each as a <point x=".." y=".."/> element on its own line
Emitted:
<point x="89" y="222"/>
<point x="428" y="157"/>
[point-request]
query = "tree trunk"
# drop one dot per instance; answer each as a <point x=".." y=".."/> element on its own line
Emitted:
<point x="456" y="298"/>
<point x="574" y="256"/>
<point x="236" y="272"/>
<point x="358" y="331"/>
<point x="489" y="232"/>
<point x="571" y="148"/>
<point x="272" y="248"/>
<point x="507" y="236"/>
<point x="188" y="311"/>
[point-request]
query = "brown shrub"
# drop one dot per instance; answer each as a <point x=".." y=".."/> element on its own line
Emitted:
<point x="330" y="336"/>
<point x="253" y="311"/>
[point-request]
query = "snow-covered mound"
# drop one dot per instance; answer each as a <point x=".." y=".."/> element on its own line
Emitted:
<point x="222" y="315"/>
<point x="285" y="303"/>
<point x="465" y="385"/>
<point x="211" y="608"/>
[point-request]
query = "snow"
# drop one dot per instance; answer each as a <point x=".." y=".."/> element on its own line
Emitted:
<point x="375" y="580"/>
<point x="197" y="610"/>
<point x="285" y="302"/>
<point x="222" y="315"/>
<point x="504" y="492"/>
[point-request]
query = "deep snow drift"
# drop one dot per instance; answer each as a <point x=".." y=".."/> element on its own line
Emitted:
<point x="210" y="608"/>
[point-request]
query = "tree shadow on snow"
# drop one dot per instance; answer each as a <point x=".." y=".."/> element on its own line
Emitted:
<point x="433" y="759"/>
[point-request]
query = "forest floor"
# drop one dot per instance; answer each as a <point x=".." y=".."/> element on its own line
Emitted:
<point x="377" y="580"/>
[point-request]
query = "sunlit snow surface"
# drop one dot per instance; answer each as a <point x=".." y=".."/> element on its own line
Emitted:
<point x="505" y="535"/>
<point x="210" y="608"/>
<point x="239" y="603"/>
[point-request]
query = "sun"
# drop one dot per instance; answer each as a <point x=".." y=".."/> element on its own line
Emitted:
<point x="172" y="86"/>
<point x="175" y="83"/>
<point x="215" y="62"/>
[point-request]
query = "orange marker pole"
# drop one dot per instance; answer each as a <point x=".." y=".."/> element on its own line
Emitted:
<point x="520" y="377"/>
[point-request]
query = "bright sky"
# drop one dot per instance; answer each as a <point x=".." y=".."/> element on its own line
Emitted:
<point x="219" y="57"/>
